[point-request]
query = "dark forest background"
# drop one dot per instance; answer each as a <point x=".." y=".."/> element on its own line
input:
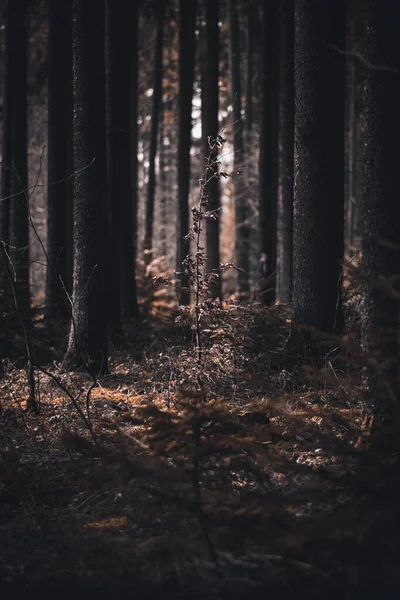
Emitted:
<point x="199" y="297"/>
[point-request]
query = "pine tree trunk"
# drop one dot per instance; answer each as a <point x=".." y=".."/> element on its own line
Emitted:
<point x="6" y="164"/>
<point x="210" y="107"/>
<point x="19" y="204"/>
<point x="249" y="70"/>
<point x="155" y="119"/>
<point x="88" y="341"/>
<point x="269" y="155"/>
<point x="319" y="165"/>
<point x="119" y="58"/>
<point x="242" y="228"/>
<point x="187" y="44"/>
<point x="59" y="145"/>
<point x="286" y="154"/>
<point x="129" y="227"/>
<point x="381" y="206"/>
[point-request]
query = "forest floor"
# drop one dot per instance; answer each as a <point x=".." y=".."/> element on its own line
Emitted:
<point x="240" y="471"/>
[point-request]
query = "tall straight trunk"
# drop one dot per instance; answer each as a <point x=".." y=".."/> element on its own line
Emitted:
<point x="88" y="341"/>
<point x="380" y="203"/>
<point x="319" y="164"/>
<point x="210" y="107"/>
<point x="155" y="119"/>
<point x="241" y="205"/>
<point x="6" y="164"/>
<point x="269" y="155"/>
<point x="350" y="149"/>
<point x="163" y="183"/>
<point x="129" y="226"/>
<point x="118" y="29"/>
<point x="59" y="145"/>
<point x="286" y="154"/>
<point x="249" y="68"/>
<point x="19" y="204"/>
<point x="187" y="45"/>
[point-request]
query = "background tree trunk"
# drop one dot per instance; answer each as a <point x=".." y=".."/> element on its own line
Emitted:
<point x="319" y="165"/>
<point x="88" y="341"/>
<point x="187" y="44"/>
<point x="286" y="154"/>
<point x="155" y="118"/>
<point x="59" y="146"/>
<point x="210" y="106"/>
<point x="241" y="205"/>
<point x="381" y="206"/>
<point x="269" y="153"/>
<point x="19" y="204"/>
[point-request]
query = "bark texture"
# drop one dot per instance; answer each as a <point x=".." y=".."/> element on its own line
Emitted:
<point x="88" y="341"/>
<point x="286" y="154"/>
<point x="242" y="229"/>
<point x="210" y="108"/>
<point x="187" y="45"/>
<point x="381" y="206"/>
<point x="59" y="146"/>
<point x="319" y="164"/>
<point x="269" y="156"/>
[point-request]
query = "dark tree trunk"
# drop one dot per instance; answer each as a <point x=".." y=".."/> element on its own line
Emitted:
<point x="129" y="228"/>
<point x="155" y="118"/>
<point x="88" y="342"/>
<point x="210" y="107"/>
<point x="6" y="165"/>
<point x="19" y="205"/>
<point x="381" y="206"/>
<point x="163" y="183"/>
<point x="319" y="165"/>
<point x="59" y="145"/>
<point x="249" y="71"/>
<point x="269" y="155"/>
<point x="119" y="59"/>
<point x="241" y="206"/>
<point x="187" y="45"/>
<point x="286" y="154"/>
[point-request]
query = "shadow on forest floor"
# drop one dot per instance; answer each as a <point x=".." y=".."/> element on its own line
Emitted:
<point x="233" y="477"/>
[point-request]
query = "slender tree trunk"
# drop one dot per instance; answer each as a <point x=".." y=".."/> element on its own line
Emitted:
<point x="241" y="205"/>
<point x="381" y="206"/>
<point x="155" y="118"/>
<point x="163" y="183"/>
<point x="249" y="71"/>
<point x="6" y="165"/>
<point x="129" y="227"/>
<point x="119" y="59"/>
<point x="19" y="205"/>
<point x="269" y="156"/>
<point x="286" y="154"/>
<point x="210" y="106"/>
<point x="187" y="45"/>
<point x="59" y="144"/>
<point x="88" y="342"/>
<point x="319" y="165"/>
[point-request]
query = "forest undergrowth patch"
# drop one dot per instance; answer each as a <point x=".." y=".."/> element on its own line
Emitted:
<point x="244" y="472"/>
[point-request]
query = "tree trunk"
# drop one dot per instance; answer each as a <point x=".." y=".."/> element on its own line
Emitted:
<point x="187" y="45"/>
<point x="19" y="204"/>
<point x="269" y="156"/>
<point x="242" y="229"/>
<point x="381" y="206"/>
<point x="155" y="118"/>
<point x="129" y="227"/>
<point x="249" y="70"/>
<point x="59" y="145"/>
<point x="286" y="154"/>
<point x="88" y="341"/>
<point x="210" y="107"/>
<point x="319" y="165"/>
<point x="163" y="183"/>
<point x="119" y="59"/>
